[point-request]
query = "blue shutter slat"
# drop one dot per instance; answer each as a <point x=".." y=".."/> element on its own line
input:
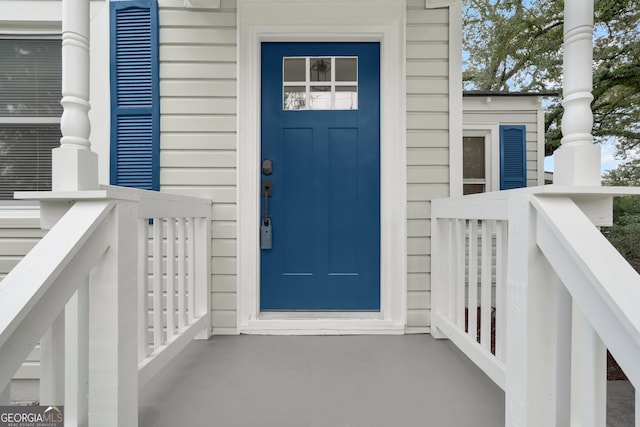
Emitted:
<point x="135" y="94"/>
<point x="513" y="162"/>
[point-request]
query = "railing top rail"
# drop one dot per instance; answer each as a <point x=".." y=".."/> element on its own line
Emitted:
<point x="494" y="205"/>
<point x="151" y="203"/>
<point x="604" y="285"/>
<point x="550" y="190"/>
<point x="111" y="192"/>
<point x="37" y="289"/>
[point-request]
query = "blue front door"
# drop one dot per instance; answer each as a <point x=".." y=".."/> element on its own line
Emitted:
<point x="321" y="158"/>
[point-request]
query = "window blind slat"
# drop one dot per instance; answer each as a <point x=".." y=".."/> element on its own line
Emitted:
<point x="25" y="157"/>
<point x="30" y="78"/>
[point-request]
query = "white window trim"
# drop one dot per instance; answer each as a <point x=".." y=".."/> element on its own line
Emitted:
<point x="42" y="19"/>
<point x="491" y="134"/>
<point x="42" y="31"/>
<point x="286" y="20"/>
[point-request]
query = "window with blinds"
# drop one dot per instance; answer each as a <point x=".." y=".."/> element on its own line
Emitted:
<point x="30" y="110"/>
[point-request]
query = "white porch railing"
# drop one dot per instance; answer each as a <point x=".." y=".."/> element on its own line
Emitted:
<point x="84" y="292"/>
<point x="556" y="292"/>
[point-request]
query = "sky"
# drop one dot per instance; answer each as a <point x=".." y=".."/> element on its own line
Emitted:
<point x="607" y="160"/>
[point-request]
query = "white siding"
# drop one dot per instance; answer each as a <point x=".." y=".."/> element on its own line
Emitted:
<point x="198" y="153"/>
<point x="509" y="110"/>
<point x="198" y="130"/>
<point x="427" y="147"/>
<point x="17" y="237"/>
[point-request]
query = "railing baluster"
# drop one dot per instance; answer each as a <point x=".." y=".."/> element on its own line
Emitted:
<point x="460" y="240"/>
<point x="76" y="369"/>
<point x="171" y="277"/>
<point x="637" y="392"/>
<point x="143" y="286"/>
<point x="157" y="283"/>
<point x="52" y="363"/>
<point x="563" y="355"/>
<point x="182" y="274"/>
<point x="451" y="267"/>
<point x="501" y="274"/>
<point x="191" y="258"/>
<point x="472" y="303"/>
<point x="591" y="358"/>
<point x="485" y="296"/>
<point x="441" y="289"/>
<point x="202" y="303"/>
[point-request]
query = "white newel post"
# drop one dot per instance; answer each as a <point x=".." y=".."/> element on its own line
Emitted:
<point x="74" y="165"/>
<point x="113" y="335"/>
<point x="74" y="168"/>
<point x="530" y="382"/>
<point x="577" y="161"/>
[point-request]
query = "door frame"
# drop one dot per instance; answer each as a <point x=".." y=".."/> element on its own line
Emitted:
<point x="290" y="21"/>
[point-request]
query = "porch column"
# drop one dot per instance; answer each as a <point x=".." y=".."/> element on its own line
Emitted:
<point x="577" y="161"/>
<point x="74" y="165"/>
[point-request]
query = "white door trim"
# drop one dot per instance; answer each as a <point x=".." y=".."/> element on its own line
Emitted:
<point x="285" y="20"/>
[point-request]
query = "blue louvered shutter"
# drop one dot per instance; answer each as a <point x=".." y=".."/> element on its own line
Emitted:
<point x="513" y="161"/>
<point x="135" y="108"/>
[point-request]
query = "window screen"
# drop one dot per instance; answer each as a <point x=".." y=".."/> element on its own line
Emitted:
<point x="474" y="170"/>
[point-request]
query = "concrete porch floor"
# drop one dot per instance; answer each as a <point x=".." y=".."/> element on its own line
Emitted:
<point x="301" y="381"/>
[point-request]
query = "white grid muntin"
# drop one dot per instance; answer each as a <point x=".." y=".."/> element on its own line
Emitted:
<point x="307" y="84"/>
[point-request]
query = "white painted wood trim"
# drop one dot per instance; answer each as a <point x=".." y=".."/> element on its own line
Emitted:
<point x="76" y="370"/>
<point x="26" y="307"/>
<point x="323" y="327"/>
<point x="608" y="301"/>
<point x="143" y="276"/>
<point x="541" y="146"/>
<point x="383" y="21"/>
<point x="490" y="365"/>
<point x="455" y="97"/>
<point x="158" y="360"/>
<point x="491" y="133"/>
<point x="435" y="4"/>
<point x="52" y="363"/>
<point x="202" y="4"/>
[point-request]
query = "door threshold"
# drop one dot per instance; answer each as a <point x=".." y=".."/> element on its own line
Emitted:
<point x="321" y="323"/>
<point x="304" y="315"/>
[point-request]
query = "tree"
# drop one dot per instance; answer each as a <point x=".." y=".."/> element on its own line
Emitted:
<point x="625" y="232"/>
<point x="626" y="174"/>
<point x="516" y="45"/>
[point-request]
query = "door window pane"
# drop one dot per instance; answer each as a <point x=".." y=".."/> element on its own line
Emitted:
<point x="346" y="97"/>
<point x="320" y="98"/>
<point x="320" y="69"/>
<point x="294" y="70"/>
<point x="320" y="83"/>
<point x="346" y="69"/>
<point x="295" y="98"/>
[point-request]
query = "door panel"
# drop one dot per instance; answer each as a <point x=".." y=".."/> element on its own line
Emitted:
<point x="325" y="206"/>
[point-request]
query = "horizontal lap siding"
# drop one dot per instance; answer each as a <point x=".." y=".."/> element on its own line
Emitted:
<point x="427" y="147"/>
<point x="198" y="130"/>
<point x="17" y="238"/>
<point x="511" y="117"/>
